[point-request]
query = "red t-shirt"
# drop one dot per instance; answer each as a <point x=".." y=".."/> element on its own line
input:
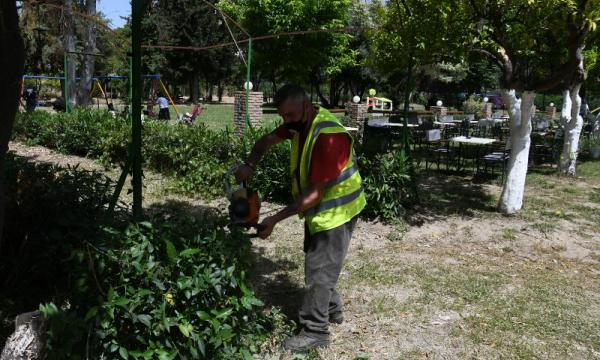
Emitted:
<point x="329" y="156"/>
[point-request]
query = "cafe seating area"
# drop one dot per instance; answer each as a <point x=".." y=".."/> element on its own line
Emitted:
<point x="460" y="142"/>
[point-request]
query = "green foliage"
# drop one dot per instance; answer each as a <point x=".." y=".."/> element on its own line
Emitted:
<point x="198" y="158"/>
<point x="195" y="156"/>
<point x="173" y="287"/>
<point x="49" y="212"/>
<point x="175" y="296"/>
<point x="387" y="184"/>
<point x="188" y="23"/>
<point x="473" y="105"/>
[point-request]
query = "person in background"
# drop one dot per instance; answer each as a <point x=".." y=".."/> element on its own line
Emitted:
<point x="30" y="97"/>
<point x="163" y="105"/>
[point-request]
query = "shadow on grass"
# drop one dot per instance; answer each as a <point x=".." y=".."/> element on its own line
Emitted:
<point x="50" y="213"/>
<point x="447" y="194"/>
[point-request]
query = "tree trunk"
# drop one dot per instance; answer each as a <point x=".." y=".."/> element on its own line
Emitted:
<point x="194" y="87"/>
<point x="520" y="111"/>
<point x="87" y="69"/>
<point x="10" y="85"/>
<point x="69" y="44"/>
<point x="220" y="91"/>
<point x="573" y="123"/>
<point x="29" y="338"/>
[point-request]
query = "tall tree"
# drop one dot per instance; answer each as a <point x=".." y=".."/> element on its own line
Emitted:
<point x="12" y="58"/>
<point x="88" y="63"/>
<point x="69" y="48"/>
<point x="531" y="61"/>
<point x="187" y="23"/>
<point x="580" y="23"/>
<point x="416" y="37"/>
<point x="314" y="58"/>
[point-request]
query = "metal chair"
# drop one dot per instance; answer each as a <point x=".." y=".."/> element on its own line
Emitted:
<point x="497" y="156"/>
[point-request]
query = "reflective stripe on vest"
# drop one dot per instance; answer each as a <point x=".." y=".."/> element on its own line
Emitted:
<point x="330" y="204"/>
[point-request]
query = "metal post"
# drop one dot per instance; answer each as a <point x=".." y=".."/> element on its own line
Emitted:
<point x="248" y="123"/>
<point x="67" y="95"/>
<point x="136" y="103"/>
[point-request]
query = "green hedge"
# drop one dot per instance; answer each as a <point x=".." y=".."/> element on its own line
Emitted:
<point x="170" y="288"/>
<point x="198" y="158"/>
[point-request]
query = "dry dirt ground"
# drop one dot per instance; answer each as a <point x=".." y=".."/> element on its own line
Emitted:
<point x="455" y="281"/>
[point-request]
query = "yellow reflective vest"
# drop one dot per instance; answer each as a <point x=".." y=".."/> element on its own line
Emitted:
<point x="343" y="198"/>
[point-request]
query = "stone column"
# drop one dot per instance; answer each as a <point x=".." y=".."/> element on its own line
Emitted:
<point x="357" y="116"/>
<point x="488" y="110"/>
<point x="439" y="111"/>
<point x="255" y="102"/>
<point x="551" y="112"/>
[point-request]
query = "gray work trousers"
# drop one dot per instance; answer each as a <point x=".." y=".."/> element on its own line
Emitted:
<point x="324" y="256"/>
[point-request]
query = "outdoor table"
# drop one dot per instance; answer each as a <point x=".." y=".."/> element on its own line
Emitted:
<point x="472" y="122"/>
<point x="475" y="142"/>
<point x="444" y="123"/>
<point x="378" y="134"/>
<point x="472" y="140"/>
<point x="389" y="124"/>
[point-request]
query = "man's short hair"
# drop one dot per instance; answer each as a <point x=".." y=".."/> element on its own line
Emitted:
<point x="290" y="92"/>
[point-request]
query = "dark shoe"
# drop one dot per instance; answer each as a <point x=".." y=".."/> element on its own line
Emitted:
<point x="303" y="342"/>
<point x="336" y="318"/>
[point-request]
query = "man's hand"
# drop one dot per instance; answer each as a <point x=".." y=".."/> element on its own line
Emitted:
<point x="243" y="173"/>
<point x="267" y="226"/>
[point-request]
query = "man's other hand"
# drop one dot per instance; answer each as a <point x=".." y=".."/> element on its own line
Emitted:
<point x="266" y="227"/>
<point x="243" y="173"/>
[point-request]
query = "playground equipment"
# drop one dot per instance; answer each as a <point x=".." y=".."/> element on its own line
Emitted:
<point x="379" y="104"/>
<point x="98" y="87"/>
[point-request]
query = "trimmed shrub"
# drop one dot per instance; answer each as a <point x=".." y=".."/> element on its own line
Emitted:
<point x="197" y="158"/>
<point x="172" y="287"/>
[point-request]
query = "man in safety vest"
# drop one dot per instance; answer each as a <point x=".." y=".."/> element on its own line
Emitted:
<point x="327" y="193"/>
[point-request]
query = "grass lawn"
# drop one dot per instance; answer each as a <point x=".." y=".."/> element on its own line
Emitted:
<point x="220" y="116"/>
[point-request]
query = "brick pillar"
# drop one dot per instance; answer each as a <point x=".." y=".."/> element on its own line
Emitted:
<point x="439" y="111"/>
<point x="357" y="116"/>
<point x="255" y="102"/>
<point x="551" y="112"/>
<point x="488" y="110"/>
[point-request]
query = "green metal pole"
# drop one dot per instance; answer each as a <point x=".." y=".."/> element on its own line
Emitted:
<point x="130" y="95"/>
<point x="248" y="123"/>
<point x="409" y="74"/>
<point x="136" y="104"/>
<point x="67" y="95"/>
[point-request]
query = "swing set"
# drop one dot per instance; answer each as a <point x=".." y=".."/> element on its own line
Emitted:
<point x="97" y="87"/>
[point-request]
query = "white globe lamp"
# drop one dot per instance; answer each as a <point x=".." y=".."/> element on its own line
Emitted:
<point x="486" y="99"/>
<point x="551" y="104"/>
<point x="248" y="85"/>
<point x="356" y="99"/>
<point x="439" y="103"/>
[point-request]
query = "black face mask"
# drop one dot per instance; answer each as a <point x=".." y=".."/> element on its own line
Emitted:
<point x="297" y="126"/>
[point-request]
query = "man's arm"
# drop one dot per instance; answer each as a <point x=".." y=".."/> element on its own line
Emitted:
<point x="263" y="145"/>
<point x="304" y="202"/>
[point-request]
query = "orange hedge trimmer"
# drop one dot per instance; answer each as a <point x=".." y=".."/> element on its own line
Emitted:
<point x="244" y="204"/>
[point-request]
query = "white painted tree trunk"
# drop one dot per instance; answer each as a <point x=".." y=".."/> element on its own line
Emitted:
<point x="573" y="123"/>
<point x="520" y="112"/>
